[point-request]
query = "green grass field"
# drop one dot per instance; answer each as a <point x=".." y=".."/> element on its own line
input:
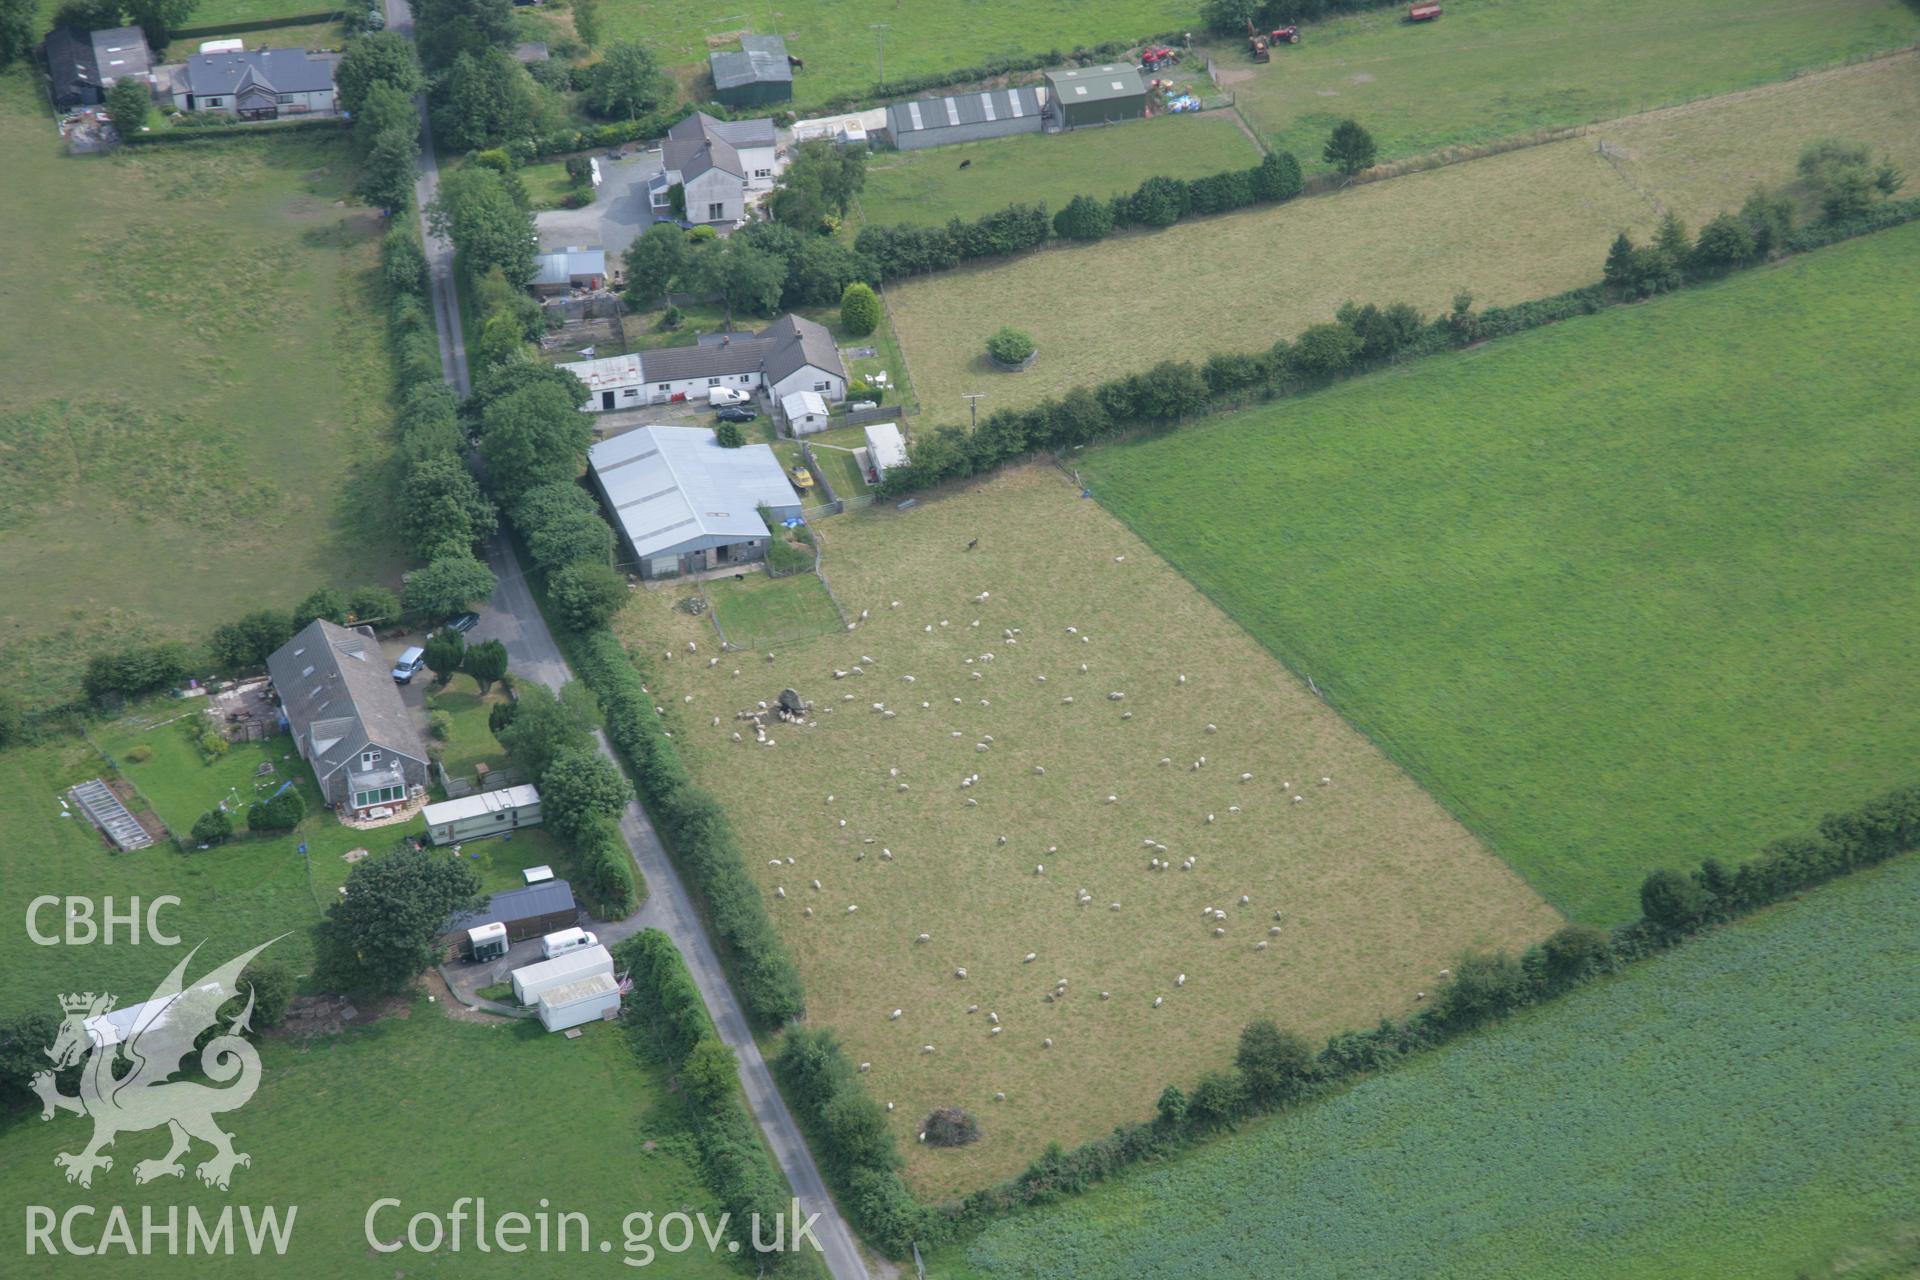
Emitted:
<point x="1740" y="1107"/>
<point x="419" y="1107"/>
<point x="1624" y="592"/>
<point x="196" y="421"/>
<point x="930" y="186"/>
<point x="471" y="742"/>
<point x="1494" y="69"/>
<point x="836" y="40"/>
<point x="1378" y="887"/>
<point x="319" y="35"/>
<point x="758" y="612"/>
<point x="1524" y="224"/>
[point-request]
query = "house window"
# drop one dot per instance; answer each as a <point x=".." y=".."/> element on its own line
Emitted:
<point x="823" y="386"/>
<point x="368" y="759"/>
<point x="713" y="382"/>
<point x="716" y="212"/>
<point x="665" y="386"/>
<point x="746" y="377"/>
<point x="630" y="392"/>
<point x="284" y="99"/>
<point x="379" y="795"/>
<point x="215" y="102"/>
<point x="763" y="173"/>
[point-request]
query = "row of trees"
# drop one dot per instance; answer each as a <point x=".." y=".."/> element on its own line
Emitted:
<point x="1230" y="17"/>
<point x="377" y="80"/>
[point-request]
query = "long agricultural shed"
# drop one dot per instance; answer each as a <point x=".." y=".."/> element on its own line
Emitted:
<point x="965" y="117"/>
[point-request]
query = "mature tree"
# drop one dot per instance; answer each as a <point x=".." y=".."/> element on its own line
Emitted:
<point x="1575" y="950"/>
<point x="215" y="826"/>
<point x="134" y="669"/>
<point x="656" y="262"/>
<point x="1620" y="274"/>
<point x="448" y="28"/>
<point x="534" y="436"/>
<point x="18" y="26"/>
<point x="1671" y="239"/>
<point x="387" y="174"/>
<point x="587" y="594"/>
<point x="159" y="19"/>
<point x="1159" y="202"/>
<point x="476" y="209"/>
<point x="1276" y="177"/>
<point x="1723" y="244"/>
<point x="570" y="537"/>
<point x="545" y="728"/>
<point x="1171" y="1109"/>
<point x="820" y="180"/>
<point x="486" y="662"/>
<point x="445" y="652"/>
<point x="728" y="435"/>
<point x="819" y="270"/>
<point x="626" y="83"/>
<point x="371" y="604"/>
<point x="449" y="584"/>
<point x="282" y="813"/>
<point x="1230" y="17"/>
<point x="1349" y="148"/>
<point x="709" y="1074"/>
<point x="269" y="984"/>
<point x="1217" y="1098"/>
<point x="1324" y="351"/>
<point x="1084" y="218"/>
<point x="128" y="103"/>
<point x="444" y="511"/>
<point x="375" y="58"/>
<point x="1769" y="218"/>
<point x="24" y="1041"/>
<point x="586" y="21"/>
<point x="1484" y="985"/>
<point x="243" y="645"/>
<point x="485" y="98"/>
<point x="1674" y="900"/>
<point x="384" y="931"/>
<point x="747" y="279"/>
<point x="1009" y="345"/>
<point x="322" y="602"/>
<point x="1275" y="1064"/>
<point x="580" y="786"/>
<point x="859" y="309"/>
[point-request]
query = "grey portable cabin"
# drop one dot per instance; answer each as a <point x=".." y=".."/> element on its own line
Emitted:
<point x="964" y="117"/>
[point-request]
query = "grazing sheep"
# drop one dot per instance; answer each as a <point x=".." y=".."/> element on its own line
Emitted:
<point x="925" y="937"/>
<point x="959" y="973"/>
<point x="908" y="679"/>
<point x="1126" y="715"/>
<point x="1068" y="700"/>
<point x="808" y="913"/>
<point x="1219" y="933"/>
<point x="774" y="862"/>
<point x="1298" y="799"/>
<point x="886" y="855"/>
<point x="894" y="1016"/>
<point x="1001" y="840"/>
<point x="1326" y="782"/>
<point x="1273" y="930"/>
<point x="894" y="605"/>
<point x="973" y="1008"/>
<point x="1083" y="668"/>
<point x="1039" y="679"/>
<point x="863" y="615"/>
<point x="1209" y="819"/>
<point x="1113" y="799"/>
<point x="982" y="597"/>
<point x="1115" y="696"/>
<point x="1246" y="777"/>
<point x="1039" y="869"/>
<point x="1446" y="973"/>
<point x="999" y="1097"/>
<point x="901" y="787"/>
<point x="889" y="1106"/>
<point x="1213" y="728"/>
<point x="1040" y="771"/>
<point x="1419" y="995"/>
<point x="852" y="907"/>
<point x="736" y="737"/>
<point x="1245" y="900"/>
<point x="1233" y="808"/>
<point x="1113" y="906"/>
<point x="865" y="1067"/>
<point x="1030" y="958"/>
<point x="815" y="884"/>
<point x="1180" y="981"/>
<point x="1158" y="1001"/>
<point x="779" y="891"/>
<point x="1259" y="946"/>
<point x="1166" y="760"/>
<point x="994" y="1031"/>
<point x="1047" y="1043"/>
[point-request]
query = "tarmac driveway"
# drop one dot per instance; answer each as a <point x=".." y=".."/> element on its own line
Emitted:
<point x="619" y="213"/>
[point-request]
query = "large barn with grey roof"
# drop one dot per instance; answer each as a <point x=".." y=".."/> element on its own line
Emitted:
<point x="965" y="117"/>
<point x="683" y="503"/>
<point x="347" y="717"/>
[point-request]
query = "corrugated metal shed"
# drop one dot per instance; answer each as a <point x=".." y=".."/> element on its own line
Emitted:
<point x="1096" y="95"/>
<point x="964" y="117"/>
<point x="563" y="266"/>
<point x="674" y="488"/>
<point x="758" y="73"/>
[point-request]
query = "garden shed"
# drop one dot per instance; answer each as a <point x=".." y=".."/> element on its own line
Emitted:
<point x="964" y="117"/>
<point x="486" y="813"/>
<point x="1081" y="96"/>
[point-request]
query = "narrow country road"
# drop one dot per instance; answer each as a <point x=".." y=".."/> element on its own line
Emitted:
<point x="514" y="618"/>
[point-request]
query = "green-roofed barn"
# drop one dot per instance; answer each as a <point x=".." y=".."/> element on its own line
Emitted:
<point x="1080" y="96"/>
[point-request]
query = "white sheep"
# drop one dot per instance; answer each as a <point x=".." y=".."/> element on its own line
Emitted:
<point x="1245" y="900"/>
<point x="1030" y="957"/>
<point x="1113" y="906"/>
<point x="1260" y="946"/>
<point x="1246" y="777"/>
<point x="1166" y="760"/>
<point x="815" y="883"/>
<point x="1047" y="1043"/>
<point x="1115" y="696"/>
<point x="808" y="913"/>
<point x="894" y="605"/>
<point x="1219" y="933"/>
<point x="894" y="1016"/>
<point x="908" y="679"/>
<point x="959" y="973"/>
<point x="1073" y="631"/>
<point x="1326" y="782"/>
<point x="1040" y="868"/>
<point x="994" y="1031"/>
<point x="886" y="855"/>
<point x="1158" y="1001"/>
<point x="1039" y="771"/>
<point x="999" y="1097"/>
<point x="852" y="907"/>
<point x="863" y="615"/>
<point x="925" y="937"/>
<point x="1209" y="819"/>
<point x="1233" y="808"/>
<point x="779" y="891"/>
<point x="1180" y="981"/>
<point x="865" y="1067"/>
<point x="1273" y="930"/>
<point x="973" y="1008"/>
<point x="982" y="597"/>
<point x="773" y="862"/>
<point x="1068" y="700"/>
<point x="1000" y="840"/>
<point x="1113" y="799"/>
<point x="889" y="1106"/>
<point x="1298" y="799"/>
<point x="1213" y="728"/>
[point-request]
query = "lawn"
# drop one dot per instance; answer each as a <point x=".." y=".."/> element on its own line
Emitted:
<point x="758" y="612"/>
<point x="930" y="185"/>
<point x="416" y="1107"/>
<point x="1377" y="887"/>
<point x="197" y="423"/>
<point x="833" y="451"/>
<point x="319" y="35"/>
<point x="1740" y="1107"/>
<point x="223" y="13"/>
<point x="841" y="49"/>
<point x="1494" y="69"/>
<point x="1625" y="592"/>
<point x="1509" y="227"/>
<point x="471" y="741"/>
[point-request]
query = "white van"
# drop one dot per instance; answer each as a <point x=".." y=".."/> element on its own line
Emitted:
<point x="410" y="665"/>
<point x="721" y="397"/>
<point x="558" y="944"/>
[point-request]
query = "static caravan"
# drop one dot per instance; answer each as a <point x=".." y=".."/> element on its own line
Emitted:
<point x="486" y="813"/>
<point x="530" y="981"/>
<point x="574" y="1003"/>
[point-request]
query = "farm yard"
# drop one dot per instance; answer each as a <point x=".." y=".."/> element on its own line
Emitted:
<point x="1492" y="71"/>
<point x="198" y="411"/>
<point x="930" y="186"/>
<point x="839" y="47"/>
<point x="1741" y="1106"/>
<point x="409" y="1107"/>
<point x="1628" y="591"/>
<point x="1376" y="889"/>
<point x="1508" y="227"/>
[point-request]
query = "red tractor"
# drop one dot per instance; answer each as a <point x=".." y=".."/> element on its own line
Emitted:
<point x="1156" y="56"/>
<point x="1285" y="35"/>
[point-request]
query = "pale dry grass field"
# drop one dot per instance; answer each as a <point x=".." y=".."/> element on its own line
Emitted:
<point x="1524" y="224"/>
<point x="1376" y="886"/>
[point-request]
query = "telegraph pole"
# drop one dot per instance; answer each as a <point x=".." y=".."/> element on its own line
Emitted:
<point x="880" y="30"/>
<point x="973" y="399"/>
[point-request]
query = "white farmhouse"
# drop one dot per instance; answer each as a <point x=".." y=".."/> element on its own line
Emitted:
<point x="792" y="354"/>
<point x="720" y="165"/>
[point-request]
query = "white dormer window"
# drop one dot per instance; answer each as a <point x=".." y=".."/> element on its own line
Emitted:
<point x="368" y="759"/>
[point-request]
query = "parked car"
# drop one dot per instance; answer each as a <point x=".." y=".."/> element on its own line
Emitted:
<point x="736" y="414"/>
<point x="558" y="944"/>
<point x="463" y="622"/>
<point x="410" y="665"/>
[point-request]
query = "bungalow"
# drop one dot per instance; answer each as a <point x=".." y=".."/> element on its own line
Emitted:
<point x="253" y="84"/>
<point x="790" y="355"/>
<point x="718" y="165"/>
<point x="564" y="270"/>
<point x="347" y="718"/>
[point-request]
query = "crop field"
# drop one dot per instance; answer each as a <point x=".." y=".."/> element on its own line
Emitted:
<point x="1376" y="888"/>
<point x="1739" y="1107"/>
<point x="843" y="52"/>
<point x="1625" y="592"/>
<point x="930" y="185"/>
<point x="409" y="1108"/>
<point x="197" y="423"/>
<point x="1509" y="227"/>
<point x="1499" y="68"/>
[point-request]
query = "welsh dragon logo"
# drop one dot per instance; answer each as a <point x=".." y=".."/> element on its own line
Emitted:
<point x="124" y="1085"/>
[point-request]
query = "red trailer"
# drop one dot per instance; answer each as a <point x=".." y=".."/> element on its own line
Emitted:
<point x="1422" y="12"/>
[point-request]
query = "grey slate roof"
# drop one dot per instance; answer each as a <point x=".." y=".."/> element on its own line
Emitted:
<point x="930" y="114"/>
<point x="775" y="352"/>
<point x="540" y="899"/>
<point x="797" y="342"/>
<point x="121" y="51"/>
<point x="337" y="693"/>
<point x="83" y="63"/>
<point x="274" y="70"/>
<point x="700" y="142"/>
<point x="671" y="485"/>
<point x="761" y="59"/>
